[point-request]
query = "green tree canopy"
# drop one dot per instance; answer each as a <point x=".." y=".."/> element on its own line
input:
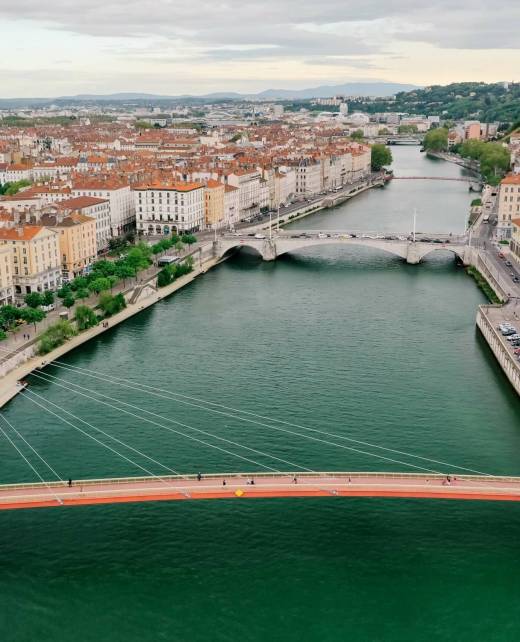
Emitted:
<point x="436" y="140"/>
<point x="380" y="156"/>
<point x="85" y="317"/>
<point x="33" y="299"/>
<point x="48" y="297"/>
<point x="32" y="315"/>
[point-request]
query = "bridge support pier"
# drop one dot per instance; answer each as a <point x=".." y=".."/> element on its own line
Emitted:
<point x="269" y="250"/>
<point x="413" y="256"/>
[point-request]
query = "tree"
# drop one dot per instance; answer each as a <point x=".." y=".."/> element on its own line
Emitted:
<point x="78" y="283"/>
<point x="380" y="156"/>
<point x="85" y="317"/>
<point x="111" y="304"/>
<point x="407" y="129"/>
<point x="8" y="316"/>
<point x="179" y="246"/>
<point x="188" y="239"/>
<point x="82" y="293"/>
<point x="68" y="301"/>
<point x="14" y="188"/>
<point x="48" y="297"/>
<point x="33" y="299"/>
<point x="436" y="140"/>
<point x="32" y="315"/>
<point x="100" y="284"/>
<point x="124" y="271"/>
<point x="55" y="336"/>
<point x="64" y="291"/>
<point x="102" y="268"/>
<point x="117" y="244"/>
<point x="357" y="135"/>
<point x="138" y="257"/>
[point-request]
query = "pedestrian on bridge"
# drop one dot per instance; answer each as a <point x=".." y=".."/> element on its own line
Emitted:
<point x="70" y="482"/>
<point x="199" y="476"/>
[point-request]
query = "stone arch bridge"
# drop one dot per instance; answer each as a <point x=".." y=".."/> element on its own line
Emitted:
<point x="403" y="246"/>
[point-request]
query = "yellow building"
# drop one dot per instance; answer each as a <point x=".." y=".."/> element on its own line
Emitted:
<point x="6" y="275"/>
<point x="36" y="260"/>
<point x="214" y="204"/>
<point x="77" y="240"/>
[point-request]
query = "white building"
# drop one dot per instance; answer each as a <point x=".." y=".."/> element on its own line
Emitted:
<point x="164" y="208"/>
<point x="308" y="177"/>
<point x="231" y="206"/>
<point x="249" y="192"/>
<point x="119" y="195"/>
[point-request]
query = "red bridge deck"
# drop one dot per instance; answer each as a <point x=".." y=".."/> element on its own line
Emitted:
<point x="238" y="486"/>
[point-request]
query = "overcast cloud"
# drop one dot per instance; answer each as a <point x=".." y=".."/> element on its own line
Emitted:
<point x="275" y="42"/>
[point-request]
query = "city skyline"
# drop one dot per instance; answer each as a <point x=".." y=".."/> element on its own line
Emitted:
<point x="198" y="48"/>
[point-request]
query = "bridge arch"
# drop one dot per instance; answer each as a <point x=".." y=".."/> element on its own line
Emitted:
<point x="458" y="253"/>
<point x="233" y="248"/>
<point x="294" y="245"/>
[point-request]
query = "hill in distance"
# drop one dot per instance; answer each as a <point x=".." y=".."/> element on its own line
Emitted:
<point x="382" y="89"/>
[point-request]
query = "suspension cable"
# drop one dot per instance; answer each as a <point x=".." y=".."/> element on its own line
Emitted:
<point x="92" y="437"/>
<point x="119" y="441"/>
<point x="150" y="421"/>
<point x="29" y="464"/>
<point x="55" y="380"/>
<point x="33" y="449"/>
<point x="173" y="397"/>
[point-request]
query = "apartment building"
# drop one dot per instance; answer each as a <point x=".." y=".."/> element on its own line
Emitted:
<point x="515" y="239"/>
<point x="164" y="208"/>
<point x="214" y="205"/>
<point x="119" y="195"/>
<point x="508" y="205"/>
<point x="249" y="196"/>
<point x="36" y="258"/>
<point x="231" y="206"/>
<point x="6" y="275"/>
<point x="77" y="242"/>
<point x="308" y="177"/>
<point x="96" y="208"/>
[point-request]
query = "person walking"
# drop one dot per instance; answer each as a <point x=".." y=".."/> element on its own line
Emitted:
<point x="70" y="482"/>
<point x="199" y="476"/>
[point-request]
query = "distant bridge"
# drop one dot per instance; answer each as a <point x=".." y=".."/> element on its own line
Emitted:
<point x="461" y="179"/>
<point x="235" y="486"/>
<point x="401" y="245"/>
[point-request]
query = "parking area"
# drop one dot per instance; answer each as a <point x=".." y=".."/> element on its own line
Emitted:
<point x="506" y="322"/>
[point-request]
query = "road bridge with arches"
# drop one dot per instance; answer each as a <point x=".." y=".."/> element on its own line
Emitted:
<point x="401" y="245"/>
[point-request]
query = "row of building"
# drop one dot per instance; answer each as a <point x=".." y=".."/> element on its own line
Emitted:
<point x="80" y="186"/>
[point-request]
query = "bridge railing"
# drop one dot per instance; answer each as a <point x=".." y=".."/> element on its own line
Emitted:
<point x="261" y="475"/>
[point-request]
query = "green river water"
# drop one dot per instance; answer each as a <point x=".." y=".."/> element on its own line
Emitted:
<point x="350" y="341"/>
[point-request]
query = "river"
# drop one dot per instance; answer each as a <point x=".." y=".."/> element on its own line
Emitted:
<point x="346" y="340"/>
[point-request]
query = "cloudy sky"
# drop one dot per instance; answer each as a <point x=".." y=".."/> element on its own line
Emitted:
<point x="60" y="47"/>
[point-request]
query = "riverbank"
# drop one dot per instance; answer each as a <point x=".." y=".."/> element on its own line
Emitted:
<point x="135" y="305"/>
<point x="26" y="360"/>
<point x="466" y="163"/>
<point x="488" y="319"/>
